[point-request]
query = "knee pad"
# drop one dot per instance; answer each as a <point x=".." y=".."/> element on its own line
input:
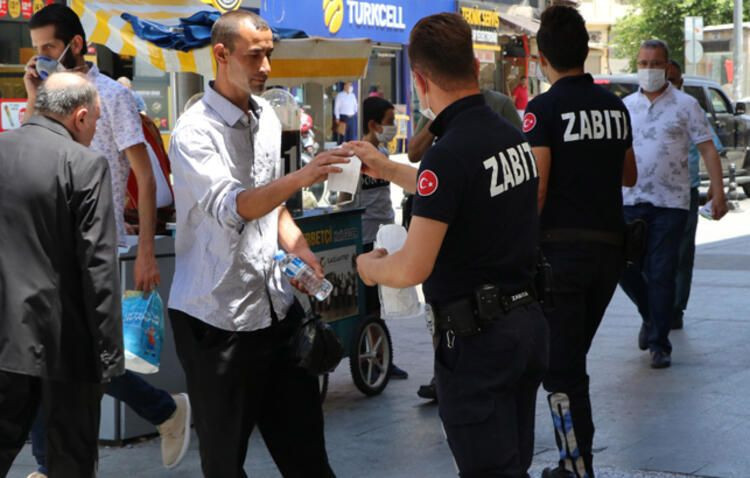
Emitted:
<point x="570" y="455"/>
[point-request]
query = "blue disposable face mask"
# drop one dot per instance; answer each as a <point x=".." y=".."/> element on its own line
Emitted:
<point x="46" y="66"/>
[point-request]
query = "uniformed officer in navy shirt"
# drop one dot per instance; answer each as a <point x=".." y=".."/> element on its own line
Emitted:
<point x="581" y="137"/>
<point x="473" y="243"/>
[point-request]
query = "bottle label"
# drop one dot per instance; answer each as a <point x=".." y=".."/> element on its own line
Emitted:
<point x="294" y="267"/>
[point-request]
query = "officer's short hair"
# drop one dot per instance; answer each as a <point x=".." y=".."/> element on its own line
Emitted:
<point x="227" y="27"/>
<point x="374" y="108"/>
<point x="63" y="100"/>
<point x="655" y="44"/>
<point x="441" y="48"/>
<point x="562" y="38"/>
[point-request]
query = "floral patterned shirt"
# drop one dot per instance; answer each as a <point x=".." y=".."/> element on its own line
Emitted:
<point x="119" y="127"/>
<point x="663" y="131"/>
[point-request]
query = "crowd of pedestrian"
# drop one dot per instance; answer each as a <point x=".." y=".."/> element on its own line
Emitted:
<point x="520" y="232"/>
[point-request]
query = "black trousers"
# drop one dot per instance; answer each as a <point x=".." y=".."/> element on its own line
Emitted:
<point x="237" y="380"/>
<point x="71" y="411"/>
<point x="585" y="278"/>
<point x="487" y="385"/>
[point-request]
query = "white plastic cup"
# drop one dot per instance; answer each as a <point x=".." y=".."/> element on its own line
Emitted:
<point x="395" y="303"/>
<point x="348" y="179"/>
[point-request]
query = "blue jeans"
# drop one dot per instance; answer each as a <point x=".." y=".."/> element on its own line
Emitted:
<point x="152" y="404"/>
<point x="687" y="255"/>
<point x="651" y="284"/>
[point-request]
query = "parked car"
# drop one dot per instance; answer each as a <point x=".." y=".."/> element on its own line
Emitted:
<point x="730" y="121"/>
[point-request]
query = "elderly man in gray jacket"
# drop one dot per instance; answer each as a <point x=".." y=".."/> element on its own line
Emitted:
<point x="60" y="319"/>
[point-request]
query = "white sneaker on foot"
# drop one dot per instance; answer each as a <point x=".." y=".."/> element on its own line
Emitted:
<point x="175" y="432"/>
<point x="37" y="474"/>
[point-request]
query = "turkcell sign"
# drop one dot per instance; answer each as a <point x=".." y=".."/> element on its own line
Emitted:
<point x="379" y="15"/>
<point x="379" y="20"/>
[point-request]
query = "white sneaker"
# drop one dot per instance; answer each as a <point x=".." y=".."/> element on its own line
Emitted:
<point x="175" y="432"/>
<point x="36" y="474"/>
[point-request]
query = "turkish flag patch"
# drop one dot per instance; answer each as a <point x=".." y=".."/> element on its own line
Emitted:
<point x="529" y="122"/>
<point x="427" y="183"/>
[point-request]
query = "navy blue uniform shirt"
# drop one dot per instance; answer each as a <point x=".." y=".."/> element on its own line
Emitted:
<point x="588" y="131"/>
<point x="480" y="178"/>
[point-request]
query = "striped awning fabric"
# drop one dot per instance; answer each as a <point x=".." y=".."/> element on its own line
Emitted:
<point x="294" y="62"/>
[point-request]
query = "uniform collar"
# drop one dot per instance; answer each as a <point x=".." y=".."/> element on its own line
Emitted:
<point x="228" y="111"/>
<point x="443" y="120"/>
<point x="584" y="78"/>
<point x="50" y="124"/>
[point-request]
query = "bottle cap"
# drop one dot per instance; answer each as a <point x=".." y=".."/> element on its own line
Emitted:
<point x="279" y="255"/>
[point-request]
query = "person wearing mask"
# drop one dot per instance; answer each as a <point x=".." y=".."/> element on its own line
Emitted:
<point x="472" y="242"/>
<point x="581" y="139"/>
<point x="420" y="143"/>
<point x="665" y="122"/>
<point x="61" y="328"/>
<point x="345" y="109"/>
<point x="687" y="242"/>
<point x="232" y="311"/>
<point x="378" y="117"/>
<point x="57" y="34"/>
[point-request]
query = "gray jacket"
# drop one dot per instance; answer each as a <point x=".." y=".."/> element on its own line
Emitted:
<point x="60" y="315"/>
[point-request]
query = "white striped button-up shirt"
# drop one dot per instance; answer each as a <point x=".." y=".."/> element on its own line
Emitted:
<point x="225" y="274"/>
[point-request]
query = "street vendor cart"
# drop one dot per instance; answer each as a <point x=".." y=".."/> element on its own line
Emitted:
<point x="334" y="234"/>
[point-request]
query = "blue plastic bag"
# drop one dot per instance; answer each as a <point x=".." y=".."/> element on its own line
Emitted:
<point x="143" y="330"/>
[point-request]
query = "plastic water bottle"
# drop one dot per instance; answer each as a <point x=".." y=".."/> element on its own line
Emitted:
<point x="295" y="268"/>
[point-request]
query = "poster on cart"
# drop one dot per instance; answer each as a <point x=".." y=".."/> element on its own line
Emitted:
<point x="10" y="113"/>
<point x="340" y="269"/>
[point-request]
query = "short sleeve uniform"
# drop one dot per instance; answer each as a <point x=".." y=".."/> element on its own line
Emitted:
<point x="480" y="178"/>
<point x="588" y="131"/>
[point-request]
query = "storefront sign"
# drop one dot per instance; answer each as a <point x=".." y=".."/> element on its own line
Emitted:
<point x="378" y="20"/>
<point x="484" y="22"/>
<point x="21" y="10"/>
<point x="11" y="112"/>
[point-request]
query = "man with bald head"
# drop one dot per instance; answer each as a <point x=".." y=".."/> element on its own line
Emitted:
<point x="61" y="329"/>
<point x="233" y="313"/>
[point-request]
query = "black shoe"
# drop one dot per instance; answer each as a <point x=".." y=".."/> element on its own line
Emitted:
<point x="677" y="322"/>
<point x="660" y="359"/>
<point x="398" y="373"/>
<point x="557" y="473"/>
<point x="428" y="391"/>
<point x="643" y="337"/>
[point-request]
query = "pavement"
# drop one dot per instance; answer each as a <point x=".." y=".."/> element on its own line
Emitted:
<point x="692" y="419"/>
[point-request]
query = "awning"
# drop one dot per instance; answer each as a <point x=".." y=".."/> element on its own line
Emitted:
<point x="319" y="60"/>
<point x="518" y="24"/>
<point x="294" y="62"/>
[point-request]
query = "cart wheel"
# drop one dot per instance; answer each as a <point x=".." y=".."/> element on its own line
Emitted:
<point x="323" y="386"/>
<point x="371" y="355"/>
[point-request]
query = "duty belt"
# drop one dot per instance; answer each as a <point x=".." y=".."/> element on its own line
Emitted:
<point x="583" y="235"/>
<point x="470" y="315"/>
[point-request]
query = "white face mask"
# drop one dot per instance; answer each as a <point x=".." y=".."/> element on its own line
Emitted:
<point x="651" y="79"/>
<point x="424" y="108"/>
<point x="389" y="132"/>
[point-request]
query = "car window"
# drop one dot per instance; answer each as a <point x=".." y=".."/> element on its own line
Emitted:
<point x="719" y="102"/>
<point x="620" y="89"/>
<point x="697" y="93"/>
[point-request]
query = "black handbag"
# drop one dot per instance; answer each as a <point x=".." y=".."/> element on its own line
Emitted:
<point x="315" y="346"/>
<point x="636" y="241"/>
